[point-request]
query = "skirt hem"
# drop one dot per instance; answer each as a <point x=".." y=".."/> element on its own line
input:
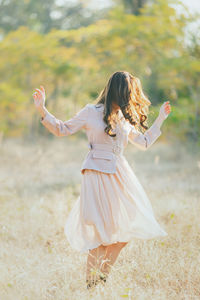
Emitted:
<point x="87" y="249"/>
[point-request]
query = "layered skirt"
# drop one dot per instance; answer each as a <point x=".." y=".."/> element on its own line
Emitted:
<point x="111" y="208"/>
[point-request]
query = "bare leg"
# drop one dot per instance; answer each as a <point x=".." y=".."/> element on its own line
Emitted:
<point x="94" y="261"/>
<point x="112" y="252"/>
<point x="101" y="259"/>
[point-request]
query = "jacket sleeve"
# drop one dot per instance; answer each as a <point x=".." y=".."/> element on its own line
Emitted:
<point x="144" y="141"/>
<point x="65" y="128"/>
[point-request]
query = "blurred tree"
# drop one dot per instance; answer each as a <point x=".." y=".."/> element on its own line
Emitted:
<point x="75" y="64"/>
<point x="133" y="6"/>
<point x="25" y="63"/>
<point x="44" y="15"/>
<point x="190" y="73"/>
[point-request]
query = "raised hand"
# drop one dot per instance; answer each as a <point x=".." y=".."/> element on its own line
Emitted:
<point x="39" y="98"/>
<point x="165" y="109"/>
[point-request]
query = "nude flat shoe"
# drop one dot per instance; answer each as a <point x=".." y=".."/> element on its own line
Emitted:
<point x="91" y="283"/>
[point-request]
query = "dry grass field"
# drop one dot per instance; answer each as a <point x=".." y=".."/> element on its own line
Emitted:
<point x="40" y="182"/>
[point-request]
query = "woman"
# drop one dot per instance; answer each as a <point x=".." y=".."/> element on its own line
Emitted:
<point x="113" y="207"/>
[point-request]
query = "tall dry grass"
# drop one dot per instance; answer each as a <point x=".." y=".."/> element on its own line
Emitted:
<point x="40" y="181"/>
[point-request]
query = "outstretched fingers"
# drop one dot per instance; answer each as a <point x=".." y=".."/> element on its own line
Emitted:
<point x="167" y="107"/>
<point x="42" y="89"/>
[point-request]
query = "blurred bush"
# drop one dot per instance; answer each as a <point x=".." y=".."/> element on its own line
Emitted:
<point x="74" y="65"/>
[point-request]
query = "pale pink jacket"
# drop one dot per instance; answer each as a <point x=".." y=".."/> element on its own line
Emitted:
<point x="103" y="148"/>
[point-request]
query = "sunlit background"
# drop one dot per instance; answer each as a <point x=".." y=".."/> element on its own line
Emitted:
<point x="72" y="48"/>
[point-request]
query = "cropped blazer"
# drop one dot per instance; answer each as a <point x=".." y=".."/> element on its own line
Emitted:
<point x="103" y="149"/>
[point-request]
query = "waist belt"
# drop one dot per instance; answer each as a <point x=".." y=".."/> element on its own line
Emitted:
<point x="116" y="149"/>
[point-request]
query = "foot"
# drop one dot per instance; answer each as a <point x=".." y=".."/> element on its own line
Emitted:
<point x="91" y="283"/>
<point x="103" y="277"/>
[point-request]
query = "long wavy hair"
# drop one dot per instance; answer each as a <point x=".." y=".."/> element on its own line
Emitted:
<point x="125" y="90"/>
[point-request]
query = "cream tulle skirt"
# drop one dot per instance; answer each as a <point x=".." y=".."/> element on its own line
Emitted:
<point x="110" y="208"/>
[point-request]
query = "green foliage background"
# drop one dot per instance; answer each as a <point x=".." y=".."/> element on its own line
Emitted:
<point x="73" y="61"/>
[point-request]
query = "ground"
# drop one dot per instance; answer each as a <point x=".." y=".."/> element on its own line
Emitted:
<point x="40" y="181"/>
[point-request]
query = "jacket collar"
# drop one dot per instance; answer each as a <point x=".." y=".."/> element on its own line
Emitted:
<point x="99" y="106"/>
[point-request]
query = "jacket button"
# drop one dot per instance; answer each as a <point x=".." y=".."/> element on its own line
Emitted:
<point x="117" y="149"/>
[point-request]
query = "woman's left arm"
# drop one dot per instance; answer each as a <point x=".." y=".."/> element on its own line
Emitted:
<point x="144" y="141"/>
